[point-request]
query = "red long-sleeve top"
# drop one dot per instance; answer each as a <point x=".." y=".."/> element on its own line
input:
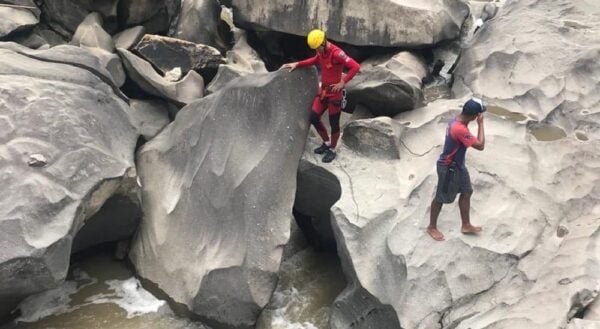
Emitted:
<point x="332" y="62"/>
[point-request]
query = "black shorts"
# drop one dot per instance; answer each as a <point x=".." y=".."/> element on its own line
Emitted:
<point x="451" y="181"/>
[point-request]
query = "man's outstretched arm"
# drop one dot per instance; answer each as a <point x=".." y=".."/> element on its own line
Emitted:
<point x="303" y="63"/>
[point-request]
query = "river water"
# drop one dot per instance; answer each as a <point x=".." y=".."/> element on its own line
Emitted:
<point x="102" y="293"/>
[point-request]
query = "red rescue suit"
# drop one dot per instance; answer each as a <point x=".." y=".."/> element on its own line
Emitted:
<point x="332" y="62"/>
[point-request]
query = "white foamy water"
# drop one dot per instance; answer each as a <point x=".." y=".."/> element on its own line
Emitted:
<point x="130" y="296"/>
<point x="308" y="286"/>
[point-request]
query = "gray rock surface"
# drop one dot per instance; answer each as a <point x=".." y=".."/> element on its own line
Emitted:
<point x="388" y="85"/>
<point x="16" y="19"/>
<point x="64" y="16"/>
<point x="200" y="22"/>
<point x="218" y="188"/>
<point x="425" y="22"/>
<point x="378" y="137"/>
<point x="535" y="78"/>
<point x="185" y="91"/>
<point x="517" y="273"/>
<point x="241" y="60"/>
<point x="167" y="53"/>
<point x="156" y="15"/>
<point x="91" y="34"/>
<point x="112" y="63"/>
<point x="58" y="103"/>
<point x="148" y="116"/>
<point x="129" y="37"/>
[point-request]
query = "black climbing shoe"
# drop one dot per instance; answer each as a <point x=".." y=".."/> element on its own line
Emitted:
<point x="329" y="156"/>
<point x="321" y="149"/>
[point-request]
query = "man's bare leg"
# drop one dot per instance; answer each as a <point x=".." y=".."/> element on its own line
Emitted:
<point x="464" y="204"/>
<point x="436" y="207"/>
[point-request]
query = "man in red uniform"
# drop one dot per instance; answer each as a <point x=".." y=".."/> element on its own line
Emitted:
<point x="332" y="61"/>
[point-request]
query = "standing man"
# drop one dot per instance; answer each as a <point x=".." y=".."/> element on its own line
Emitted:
<point x="332" y="61"/>
<point x="453" y="177"/>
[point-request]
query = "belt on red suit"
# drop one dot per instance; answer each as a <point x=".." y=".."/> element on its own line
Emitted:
<point x="326" y="91"/>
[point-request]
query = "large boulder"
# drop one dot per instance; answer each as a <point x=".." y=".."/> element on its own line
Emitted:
<point x="218" y="188"/>
<point x="168" y="53"/>
<point x="66" y="147"/>
<point x="422" y="23"/>
<point x="188" y="89"/>
<point x="535" y="78"/>
<point x="535" y="265"/>
<point x="200" y="22"/>
<point x="388" y="85"/>
<point x="18" y="15"/>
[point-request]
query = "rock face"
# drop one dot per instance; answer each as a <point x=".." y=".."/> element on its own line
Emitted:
<point x="388" y="85"/>
<point x="148" y="116"/>
<point x="57" y="104"/>
<point x="168" y="53"/>
<point x="200" y="22"/>
<point x="64" y="16"/>
<point x="188" y="89"/>
<point x="535" y="78"/>
<point x="523" y="271"/>
<point x="91" y="34"/>
<point x="218" y="187"/>
<point x="241" y="60"/>
<point x="423" y="23"/>
<point x="16" y="19"/>
<point x="155" y="15"/>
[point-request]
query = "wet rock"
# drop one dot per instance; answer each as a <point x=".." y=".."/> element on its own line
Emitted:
<point x="218" y="185"/>
<point x="129" y="37"/>
<point x="188" y="89"/>
<point x="388" y="85"/>
<point x="317" y="190"/>
<point x="91" y="34"/>
<point x="424" y="23"/>
<point x="62" y="104"/>
<point x="168" y="53"/>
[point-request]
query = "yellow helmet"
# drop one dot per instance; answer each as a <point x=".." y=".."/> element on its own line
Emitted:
<point x="315" y="38"/>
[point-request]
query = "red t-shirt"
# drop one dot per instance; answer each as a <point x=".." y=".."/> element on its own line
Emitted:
<point x="458" y="139"/>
